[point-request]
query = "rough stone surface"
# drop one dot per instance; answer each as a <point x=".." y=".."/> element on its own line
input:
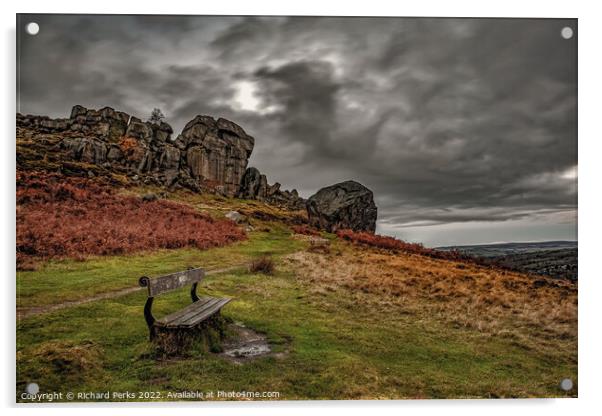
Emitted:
<point x="345" y="205"/>
<point x="139" y="130"/>
<point x="254" y="185"/>
<point x="208" y="155"/>
<point x="237" y="217"/>
<point x="217" y="152"/>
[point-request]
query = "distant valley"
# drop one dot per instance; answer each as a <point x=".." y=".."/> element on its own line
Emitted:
<point x="551" y="258"/>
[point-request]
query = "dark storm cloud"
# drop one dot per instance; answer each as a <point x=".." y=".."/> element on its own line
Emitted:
<point x="307" y="90"/>
<point x="446" y="120"/>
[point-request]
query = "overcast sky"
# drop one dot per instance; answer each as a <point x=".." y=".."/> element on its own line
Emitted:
<point x="464" y="129"/>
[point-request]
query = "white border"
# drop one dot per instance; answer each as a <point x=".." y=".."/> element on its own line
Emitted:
<point x="590" y="176"/>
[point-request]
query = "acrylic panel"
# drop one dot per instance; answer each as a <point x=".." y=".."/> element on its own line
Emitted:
<point x="295" y="208"/>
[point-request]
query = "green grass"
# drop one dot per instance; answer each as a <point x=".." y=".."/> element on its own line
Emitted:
<point x="69" y="280"/>
<point x="327" y="345"/>
<point x="357" y="352"/>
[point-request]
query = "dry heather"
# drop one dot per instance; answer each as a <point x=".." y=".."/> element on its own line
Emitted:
<point x="73" y="217"/>
<point x="305" y="229"/>
<point x="395" y="245"/>
<point x="264" y="265"/>
<point x="459" y="294"/>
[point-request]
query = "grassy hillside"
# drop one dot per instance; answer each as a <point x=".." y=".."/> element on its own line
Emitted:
<point x="346" y="321"/>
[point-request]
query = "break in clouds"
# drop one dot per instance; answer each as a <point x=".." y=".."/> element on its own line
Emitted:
<point x="465" y="129"/>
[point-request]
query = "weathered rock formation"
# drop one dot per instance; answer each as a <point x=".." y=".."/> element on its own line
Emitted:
<point x="216" y="152"/>
<point x="345" y="205"/>
<point x="209" y="154"/>
<point x="255" y="185"/>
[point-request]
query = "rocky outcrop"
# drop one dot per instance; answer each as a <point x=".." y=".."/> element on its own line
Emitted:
<point x="254" y="185"/>
<point x="106" y="123"/>
<point x="209" y="154"/>
<point x="216" y="152"/>
<point x="345" y="205"/>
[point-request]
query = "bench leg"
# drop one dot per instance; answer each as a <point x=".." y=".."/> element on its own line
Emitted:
<point x="193" y="294"/>
<point x="148" y="316"/>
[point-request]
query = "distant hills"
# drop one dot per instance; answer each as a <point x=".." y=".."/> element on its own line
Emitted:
<point x="551" y="258"/>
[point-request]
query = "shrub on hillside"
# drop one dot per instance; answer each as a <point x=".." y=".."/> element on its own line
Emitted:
<point x="61" y="217"/>
<point x="264" y="265"/>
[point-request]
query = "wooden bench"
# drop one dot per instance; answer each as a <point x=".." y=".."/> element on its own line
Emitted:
<point x="191" y="316"/>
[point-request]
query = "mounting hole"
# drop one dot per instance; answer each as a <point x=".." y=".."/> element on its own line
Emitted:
<point x="32" y="28"/>
<point x="32" y="388"/>
<point x="566" y="384"/>
<point x="566" y="32"/>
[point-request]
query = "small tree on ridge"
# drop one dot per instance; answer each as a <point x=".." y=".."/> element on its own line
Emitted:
<point x="156" y="116"/>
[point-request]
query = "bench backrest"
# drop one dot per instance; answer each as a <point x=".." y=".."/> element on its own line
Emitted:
<point x="169" y="282"/>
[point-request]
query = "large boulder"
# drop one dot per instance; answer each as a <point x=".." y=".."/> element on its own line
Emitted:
<point x="217" y="153"/>
<point x="345" y="205"/>
<point x="195" y="130"/>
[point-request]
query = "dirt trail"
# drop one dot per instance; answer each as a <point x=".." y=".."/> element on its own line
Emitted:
<point x="37" y="310"/>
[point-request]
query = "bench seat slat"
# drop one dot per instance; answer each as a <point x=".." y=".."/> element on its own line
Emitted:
<point x="187" y="310"/>
<point x="194" y="313"/>
<point x="190" y="311"/>
<point x="207" y="312"/>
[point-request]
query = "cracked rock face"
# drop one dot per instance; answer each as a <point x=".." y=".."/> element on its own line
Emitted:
<point x="217" y="152"/>
<point x="209" y="154"/>
<point x="345" y="205"/>
<point x="255" y="185"/>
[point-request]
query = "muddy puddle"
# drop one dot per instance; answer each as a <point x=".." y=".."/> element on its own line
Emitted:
<point x="245" y="344"/>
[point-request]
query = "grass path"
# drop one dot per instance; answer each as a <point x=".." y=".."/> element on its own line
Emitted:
<point x="70" y="281"/>
<point x="37" y="310"/>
